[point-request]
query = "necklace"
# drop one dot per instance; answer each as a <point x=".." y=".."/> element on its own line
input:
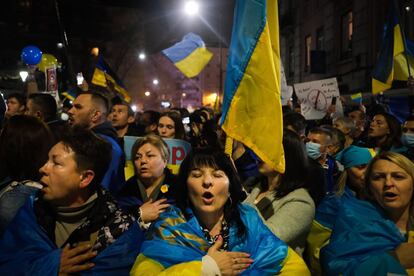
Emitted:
<point x="224" y="232"/>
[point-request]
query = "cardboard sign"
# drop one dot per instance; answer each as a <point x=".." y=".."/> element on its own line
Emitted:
<point x="51" y="79"/>
<point x="316" y="96"/>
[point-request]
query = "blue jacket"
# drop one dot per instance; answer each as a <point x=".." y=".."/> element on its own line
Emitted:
<point x="26" y="249"/>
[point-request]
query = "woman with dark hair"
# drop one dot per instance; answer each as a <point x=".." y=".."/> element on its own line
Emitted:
<point x="376" y="236"/>
<point x="24" y="145"/>
<point x="211" y="232"/>
<point x="281" y="198"/>
<point x="385" y="133"/>
<point x="145" y="194"/>
<point x="170" y="125"/>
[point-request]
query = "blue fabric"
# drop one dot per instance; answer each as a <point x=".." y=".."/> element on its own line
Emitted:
<point x="184" y="48"/>
<point x="114" y="177"/>
<point x="12" y="201"/>
<point x="331" y="173"/>
<point x="327" y="211"/>
<point x="172" y="233"/>
<point x="360" y="241"/>
<point x="245" y="34"/>
<point x="25" y="249"/>
<point x="354" y="156"/>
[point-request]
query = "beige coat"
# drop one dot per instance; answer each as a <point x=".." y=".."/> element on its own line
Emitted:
<point x="289" y="218"/>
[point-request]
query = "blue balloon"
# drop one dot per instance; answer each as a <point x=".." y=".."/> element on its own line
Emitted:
<point x="31" y="55"/>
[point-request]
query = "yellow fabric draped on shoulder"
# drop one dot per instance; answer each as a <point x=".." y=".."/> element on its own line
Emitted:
<point x="148" y="267"/>
<point x="318" y="237"/>
<point x="294" y="265"/>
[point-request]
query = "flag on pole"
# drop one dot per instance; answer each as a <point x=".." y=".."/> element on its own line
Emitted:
<point x="190" y="55"/>
<point x="105" y="77"/>
<point x="252" y="111"/>
<point x="392" y="62"/>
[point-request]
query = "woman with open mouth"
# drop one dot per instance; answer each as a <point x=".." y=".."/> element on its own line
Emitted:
<point x="376" y="237"/>
<point x="210" y="232"/>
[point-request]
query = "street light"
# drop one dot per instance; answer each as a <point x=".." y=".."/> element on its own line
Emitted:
<point x="23" y="75"/>
<point x="142" y="56"/>
<point x="191" y="7"/>
<point x="147" y="93"/>
<point x="155" y="82"/>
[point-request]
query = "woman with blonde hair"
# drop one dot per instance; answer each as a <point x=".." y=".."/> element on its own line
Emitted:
<point x="376" y="237"/>
<point x="149" y="192"/>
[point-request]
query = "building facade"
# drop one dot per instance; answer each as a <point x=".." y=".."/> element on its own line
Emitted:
<point x="336" y="38"/>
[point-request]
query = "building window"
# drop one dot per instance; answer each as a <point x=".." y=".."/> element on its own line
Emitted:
<point x="308" y="45"/>
<point x="346" y="35"/>
<point x="291" y="62"/>
<point x="320" y="38"/>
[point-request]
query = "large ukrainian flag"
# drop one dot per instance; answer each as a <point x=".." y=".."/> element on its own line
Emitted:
<point x="105" y="77"/>
<point x="392" y="62"/>
<point x="252" y="110"/>
<point x="190" y="55"/>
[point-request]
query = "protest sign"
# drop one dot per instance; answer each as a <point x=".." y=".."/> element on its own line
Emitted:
<point x="316" y="96"/>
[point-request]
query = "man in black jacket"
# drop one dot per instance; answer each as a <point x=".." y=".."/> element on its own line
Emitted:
<point x="90" y="110"/>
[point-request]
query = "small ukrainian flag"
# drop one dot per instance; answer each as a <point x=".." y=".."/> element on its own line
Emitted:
<point x="190" y="55"/>
<point x="357" y="97"/>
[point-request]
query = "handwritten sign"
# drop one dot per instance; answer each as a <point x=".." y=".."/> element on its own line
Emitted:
<point x="316" y="96"/>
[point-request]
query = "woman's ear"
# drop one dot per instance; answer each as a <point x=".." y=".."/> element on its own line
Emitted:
<point x="86" y="178"/>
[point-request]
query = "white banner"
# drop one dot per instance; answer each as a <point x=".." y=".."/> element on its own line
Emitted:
<point x="316" y="96"/>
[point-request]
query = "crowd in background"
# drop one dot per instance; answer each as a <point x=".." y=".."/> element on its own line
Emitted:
<point x="344" y="204"/>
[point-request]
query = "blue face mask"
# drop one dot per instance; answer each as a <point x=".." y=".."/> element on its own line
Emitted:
<point x="313" y="150"/>
<point x="408" y="139"/>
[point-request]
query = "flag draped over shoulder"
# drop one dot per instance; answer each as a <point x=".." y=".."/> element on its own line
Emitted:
<point x="105" y="77"/>
<point x="392" y="62"/>
<point x="252" y="111"/>
<point x="190" y="55"/>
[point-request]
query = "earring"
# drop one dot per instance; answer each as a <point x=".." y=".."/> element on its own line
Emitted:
<point x="231" y="201"/>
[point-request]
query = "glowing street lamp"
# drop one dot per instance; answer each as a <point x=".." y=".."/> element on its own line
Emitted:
<point x="155" y="82"/>
<point x="142" y="56"/>
<point x="147" y="93"/>
<point x="191" y="8"/>
<point x="23" y="75"/>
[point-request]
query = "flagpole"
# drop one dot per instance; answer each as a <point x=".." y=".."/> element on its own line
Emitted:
<point x="397" y="10"/>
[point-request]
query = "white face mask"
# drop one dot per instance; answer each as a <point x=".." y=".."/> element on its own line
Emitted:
<point x="408" y="140"/>
<point x="313" y="150"/>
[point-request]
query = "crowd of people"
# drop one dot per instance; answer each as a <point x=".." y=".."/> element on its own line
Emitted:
<point x="343" y="206"/>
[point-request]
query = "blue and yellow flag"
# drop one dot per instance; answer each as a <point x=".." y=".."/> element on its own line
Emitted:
<point x="252" y="110"/>
<point x="190" y="55"/>
<point x="392" y="62"/>
<point x="105" y="77"/>
<point x="357" y="97"/>
<point x="70" y="94"/>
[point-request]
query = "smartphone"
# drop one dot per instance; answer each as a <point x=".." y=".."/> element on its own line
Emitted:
<point x="186" y="120"/>
<point x="333" y="102"/>
<point x="79" y="78"/>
